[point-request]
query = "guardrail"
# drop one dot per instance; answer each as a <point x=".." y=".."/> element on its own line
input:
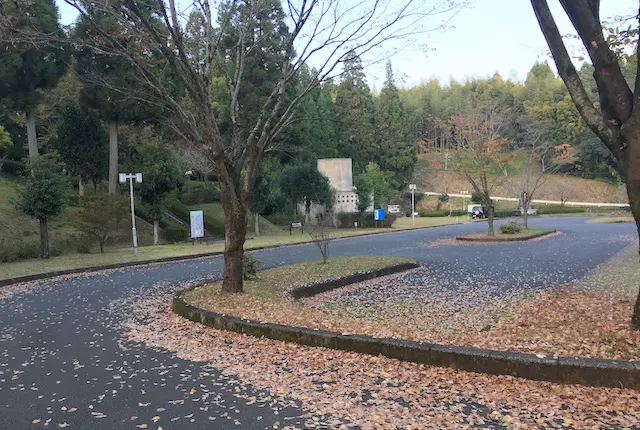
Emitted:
<point x="544" y="202"/>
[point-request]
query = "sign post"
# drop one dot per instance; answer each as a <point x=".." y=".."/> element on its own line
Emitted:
<point x="196" y="220"/>
<point x="123" y="178"/>
<point x="412" y="187"/>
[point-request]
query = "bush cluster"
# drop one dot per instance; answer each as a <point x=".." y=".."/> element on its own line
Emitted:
<point x="196" y="193"/>
<point x="510" y="228"/>
<point x="346" y="220"/>
<point x="250" y="267"/>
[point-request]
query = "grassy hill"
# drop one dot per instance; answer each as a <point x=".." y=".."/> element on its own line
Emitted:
<point x="19" y="234"/>
<point x="431" y="176"/>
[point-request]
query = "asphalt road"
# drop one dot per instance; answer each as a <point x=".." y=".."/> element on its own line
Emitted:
<point x="63" y="361"/>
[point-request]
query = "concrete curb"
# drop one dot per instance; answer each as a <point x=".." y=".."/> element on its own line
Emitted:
<point x="90" y="269"/>
<point x="584" y="371"/>
<point x="521" y="239"/>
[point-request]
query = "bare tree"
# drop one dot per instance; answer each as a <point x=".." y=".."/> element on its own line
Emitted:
<point x="541" y="160"/>
<point x="563" y="190"/>
<point x="616" y="119"/>
<point x="320" y="34"/>
<point x="321" y="234"/>
<point x="195" y="160"/>
<point x="479" y="149"/>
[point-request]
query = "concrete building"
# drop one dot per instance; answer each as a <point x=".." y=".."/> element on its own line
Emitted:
<point x="339" y="171"/>
<point x="340" y="174"/>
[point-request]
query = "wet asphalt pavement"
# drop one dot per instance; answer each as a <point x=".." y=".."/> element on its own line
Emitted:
<point x="63" y="362"/>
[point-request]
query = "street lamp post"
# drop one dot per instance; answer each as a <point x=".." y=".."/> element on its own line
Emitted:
<point x="412" y="187"/>
<point x="123" y="177"/>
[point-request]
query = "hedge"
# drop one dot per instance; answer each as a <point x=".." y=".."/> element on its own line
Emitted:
<point x="441" y="213"/>
<point x="346" y="220"/>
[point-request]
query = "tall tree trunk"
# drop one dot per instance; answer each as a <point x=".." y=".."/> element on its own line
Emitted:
<point x="257" y="224"/>
<point x="32" y="138"/>
<point x="491" y="231"/>
<point x="156" y="232"/>
<point x="633" y="190"/>
<point x="80" y="186"/>
<point x="235" y="229"/>
<point x="113" y="157"/>
<point x="44" y="238"/>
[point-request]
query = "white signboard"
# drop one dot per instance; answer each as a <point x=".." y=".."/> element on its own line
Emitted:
<point x="197" y="224"/>
<point x="393" y="209"/>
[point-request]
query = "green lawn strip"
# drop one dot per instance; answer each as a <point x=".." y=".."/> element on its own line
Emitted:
<point x="522" y="235"/>
<point x="611" y="220"/>
<point x="273" y="283"/>
<point x="68" y="261"/>
<point x="265" y="298"/>
<point x="619" y="275"/>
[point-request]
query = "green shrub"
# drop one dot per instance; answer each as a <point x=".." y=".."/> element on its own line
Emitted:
<point x="174" y="232"/>
<point x="441" y="213"/>
<point x="13" y="167"/>
<point x="346" y="220"/>
<point x="505" y="213"/>
<point x="14" y="247"/>
<point x="250" y="266"/>
<point x="510" y="228"/>
<point x="195" y="193"/>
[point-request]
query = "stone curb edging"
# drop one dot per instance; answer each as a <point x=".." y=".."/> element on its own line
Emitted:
<point x="521" y="239"/>
<point x="332" y="284"/>
<point x="567" y="370"/>
<point x="39" y="276"/>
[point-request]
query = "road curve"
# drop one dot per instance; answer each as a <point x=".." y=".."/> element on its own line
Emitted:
<point x="63" y="362"/>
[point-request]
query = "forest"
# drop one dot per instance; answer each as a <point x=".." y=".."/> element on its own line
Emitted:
<point x="242" y="127"/>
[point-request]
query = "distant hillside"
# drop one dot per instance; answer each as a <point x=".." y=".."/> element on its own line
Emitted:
<point x="431" y="176"/>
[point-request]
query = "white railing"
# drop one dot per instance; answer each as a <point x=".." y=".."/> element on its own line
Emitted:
<point x="544" y="202"/>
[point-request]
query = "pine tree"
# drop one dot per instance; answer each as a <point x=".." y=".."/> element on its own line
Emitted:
<point x="24" y="68"/>
<point x="394" y="153"/>
<point x="112" y="86"/>
<point x="354" y="113"/>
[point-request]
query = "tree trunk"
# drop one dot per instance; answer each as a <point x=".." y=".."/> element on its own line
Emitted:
<point x="113" y="157"/>
<point x="525" y="213"/>
<point x="32" y="138"/>
<point x="257" y="224"/>
<point x="44" y="238"/>
<point x="491" y="231"/>
<point x="156" y="231"/>
<point x="80" y="186"/>
<point x="633" y="190"/>
<point x="235" y="229"/>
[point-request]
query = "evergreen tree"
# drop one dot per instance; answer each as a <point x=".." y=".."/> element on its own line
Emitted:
<point x="44" y="196"/>
<point x="82" y="145"/>
<point x="26" y="69"/>
<point x="161" y="174"/>
<point x="394" y="153"/>
<point x="354" y="115"/>
<point x="111" y="86"/>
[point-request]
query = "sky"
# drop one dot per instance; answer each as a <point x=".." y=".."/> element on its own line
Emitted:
<point x="487" y="37"/>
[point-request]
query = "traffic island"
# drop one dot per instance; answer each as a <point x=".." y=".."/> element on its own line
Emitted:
<point x="269" y="309"/>
<point x="523" y="235"/>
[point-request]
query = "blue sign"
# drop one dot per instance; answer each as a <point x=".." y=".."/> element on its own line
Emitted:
<point x="378" y="215"/>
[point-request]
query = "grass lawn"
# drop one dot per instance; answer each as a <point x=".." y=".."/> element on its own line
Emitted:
<point x="522" y="235"/>
<point x="266" y="294"/>
<point x="124" y="255"/>
<point x="587" y="319"/>
<point x="611" y="219"/>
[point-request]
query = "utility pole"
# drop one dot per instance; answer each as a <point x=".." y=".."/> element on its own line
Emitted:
<point x="412" y="187"/>
<point x="123" y="177"/>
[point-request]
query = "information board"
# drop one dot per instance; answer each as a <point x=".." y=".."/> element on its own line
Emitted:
<point x="197" y="224"/>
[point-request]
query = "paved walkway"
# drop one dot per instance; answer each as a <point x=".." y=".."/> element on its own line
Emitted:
<point x="63" y="362"/>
